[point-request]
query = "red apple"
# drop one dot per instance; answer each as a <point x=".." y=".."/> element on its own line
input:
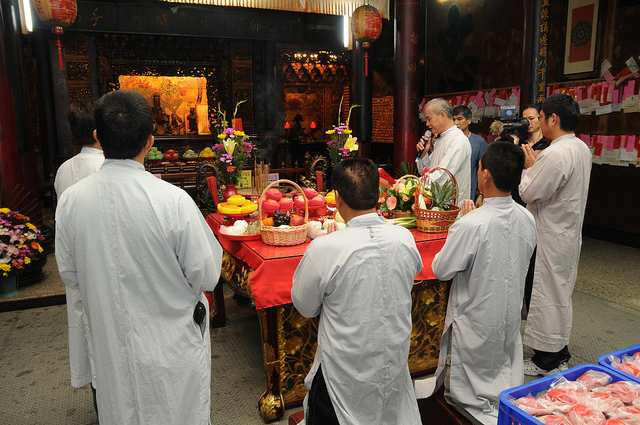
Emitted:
<point x="310" y="193"/>
<point x="317" y="201"/>
<point x="286" y="204"/>
<point x="270" y="205"/>
<point x="296" y="220"/>
<point x="274" y="194"/>
<point x="299" y="202"/>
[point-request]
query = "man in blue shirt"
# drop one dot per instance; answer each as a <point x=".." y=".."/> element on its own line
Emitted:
<point x="462" y="118"/>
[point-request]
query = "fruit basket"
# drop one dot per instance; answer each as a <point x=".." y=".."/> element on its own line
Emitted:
<point x="435" y="221"/>
<point x="294" y="235"/>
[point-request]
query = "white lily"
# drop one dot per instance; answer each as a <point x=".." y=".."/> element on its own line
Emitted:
<point x="351" y="144"/>
<point x="229" y="146"/>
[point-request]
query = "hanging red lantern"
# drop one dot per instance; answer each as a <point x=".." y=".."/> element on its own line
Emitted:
<point x="58" y="14"/>
<point x="366" y="25"/>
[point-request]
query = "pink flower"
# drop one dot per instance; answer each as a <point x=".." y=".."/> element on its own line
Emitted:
<point x="405" y="198"/>
<point x="391" y="202"/>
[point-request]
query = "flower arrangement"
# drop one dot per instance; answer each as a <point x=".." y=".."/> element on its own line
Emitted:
<point x="400" y="197"/>
<point x="342" y="144"/>
<point x="19" y="242"/>
<point x="232" y="151"/>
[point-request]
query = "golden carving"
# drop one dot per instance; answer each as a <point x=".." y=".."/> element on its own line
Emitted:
<point x="270" y="406"/>
<point x="228" y="265"/>
<point x="427" y="314"/>
<point x="414" y="38"/>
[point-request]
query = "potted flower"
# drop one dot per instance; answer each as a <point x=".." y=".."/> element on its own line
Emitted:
<point x="19" y="249"/>
<point x="231" y="153"/>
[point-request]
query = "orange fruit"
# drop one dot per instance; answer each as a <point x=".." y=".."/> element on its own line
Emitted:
<point x="268" y="221"/>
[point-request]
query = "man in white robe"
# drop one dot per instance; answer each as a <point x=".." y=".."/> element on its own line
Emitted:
<point x="359" y="281"/>
<point x="90" y="158"/>
<point x="555" y="187"/>
<point x="136" y="254"/>
<point x="451" y="150"/>
<point x="486" y="255"/>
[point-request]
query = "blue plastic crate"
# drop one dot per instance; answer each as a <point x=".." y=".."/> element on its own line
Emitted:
<point x="509" y="414"/>
<point x="606" y="362"/>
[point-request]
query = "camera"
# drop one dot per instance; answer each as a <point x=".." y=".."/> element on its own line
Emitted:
<point x="510" y="124"/>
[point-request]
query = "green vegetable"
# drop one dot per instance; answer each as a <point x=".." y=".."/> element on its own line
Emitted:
<point x="407" y="222"/>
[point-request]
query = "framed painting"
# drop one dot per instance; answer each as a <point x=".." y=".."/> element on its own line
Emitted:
<point x="581" y="44"/>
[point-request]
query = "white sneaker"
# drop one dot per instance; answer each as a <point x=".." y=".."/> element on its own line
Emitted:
<point x="530" y="368"/>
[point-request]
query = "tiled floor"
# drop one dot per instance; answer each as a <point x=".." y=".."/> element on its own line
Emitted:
<point x="34" y="364"/>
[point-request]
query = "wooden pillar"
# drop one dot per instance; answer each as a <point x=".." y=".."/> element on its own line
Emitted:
<point x="534" y="52"/>
<point x="10" y="165"/>
<point x="406" y="99"/>
<point x="363" y="97"/>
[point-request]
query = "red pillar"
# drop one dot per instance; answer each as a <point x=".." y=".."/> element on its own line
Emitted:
<point x="407" y="97"/>
<point x="10" y="165"/>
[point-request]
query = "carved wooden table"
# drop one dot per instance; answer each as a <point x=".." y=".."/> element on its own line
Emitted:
<point x="264" y="273"/>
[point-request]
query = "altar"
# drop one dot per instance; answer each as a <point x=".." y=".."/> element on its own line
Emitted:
<point x="264" y="273"/>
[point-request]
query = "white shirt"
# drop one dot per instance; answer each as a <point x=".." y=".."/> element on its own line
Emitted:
<point x="486" y="253"/>
<point x="87" y="162"/>
<point x="555" y="189"/>
<point x="135" y="255"/>
<point x="359" y="281"/>
<point x="453" y="152"/>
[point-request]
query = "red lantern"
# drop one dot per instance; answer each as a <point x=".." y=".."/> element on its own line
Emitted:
<point x="366" y="25"/>
<point x="58" y="14"/>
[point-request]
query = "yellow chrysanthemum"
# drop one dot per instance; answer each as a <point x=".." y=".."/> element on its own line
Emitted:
<point x="347" y="131"/>
<point x="31" y="226"/>
<point x="239" y="133"/>
<point x="5" y="210"/>
<point x="222" y="136"/>
<point x="330" y="131"/>
<point x="27" y="260"/>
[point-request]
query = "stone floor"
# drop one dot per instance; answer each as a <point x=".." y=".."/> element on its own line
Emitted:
<point x="34" y="363"/>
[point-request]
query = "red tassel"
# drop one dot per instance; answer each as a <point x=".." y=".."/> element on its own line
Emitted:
<point x="366" y="63"/>
<point x="59" y="54"/>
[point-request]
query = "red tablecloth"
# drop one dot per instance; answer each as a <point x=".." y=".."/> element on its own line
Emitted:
<point x="274" y="265"/>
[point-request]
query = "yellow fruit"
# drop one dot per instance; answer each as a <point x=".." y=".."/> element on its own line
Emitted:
<point x="330" y="198"/>
<point x="248" y="207"/>
<point x="236" y="200"/>
<point x="226" y="208"/>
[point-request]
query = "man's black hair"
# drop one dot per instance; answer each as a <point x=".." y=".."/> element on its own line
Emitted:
<point x="537" y="106"/>
<point x="462" y="110"/>
<point x="123" y="123"/>
<point x="505" y="162"/>
<point x="356" y="180"/>
<point x="565" y="107"/>
<point x="82" y="120"/>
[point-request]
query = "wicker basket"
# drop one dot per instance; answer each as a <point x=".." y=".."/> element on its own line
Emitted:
<point x="430" y="221"/>
<point x="399" y="213"/>
<point x="294" y="235"/>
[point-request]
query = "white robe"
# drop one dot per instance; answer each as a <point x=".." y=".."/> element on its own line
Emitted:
<point x="85" y="163"/>
<point x="555" y="189"/>
<point x="486" y="254"/>
<point x="135" y="255"/>
<point x="359" y="280"/>
<point x="453" y="152"/>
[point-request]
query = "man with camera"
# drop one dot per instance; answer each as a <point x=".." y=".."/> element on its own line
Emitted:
<point x="451" y="150"/>
<point x="555" y="188"/>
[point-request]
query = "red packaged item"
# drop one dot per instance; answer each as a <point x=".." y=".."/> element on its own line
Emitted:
<point x="629" y="368"/>
<point x="533" y="406"/>
<point x="626" y="413"/>
<point x="613" y="422"/>
<point x="602" y="402"/>
<point x="554" y="420"/>
<point x="594" y="379"/>
<point x="636" y="403"/>
<point x="626" y="391"/>
<point x="582" y="415"/>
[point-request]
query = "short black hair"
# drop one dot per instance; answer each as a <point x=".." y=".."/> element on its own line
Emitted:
<point x="82" y="120"/>
<point x="356" y="180"/>
<point x="123" y="123"/>
<point x="462" y="110"/>
<point x="505" y="162"/>
<point x="565" y="107"/>
<point x="536" y="106"/>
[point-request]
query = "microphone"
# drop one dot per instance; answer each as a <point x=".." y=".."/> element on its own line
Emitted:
<point x="427" y="136"/>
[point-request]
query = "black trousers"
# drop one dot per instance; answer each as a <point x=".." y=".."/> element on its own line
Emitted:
<point x="548" y="361"/>
<point x="319" y="408"/>
<point x="528" y="281"/>
<point x="95" y="400"/>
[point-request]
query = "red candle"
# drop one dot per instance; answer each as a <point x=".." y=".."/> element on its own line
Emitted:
<point x="286" y="126"/>
<point x="312" y="125"/>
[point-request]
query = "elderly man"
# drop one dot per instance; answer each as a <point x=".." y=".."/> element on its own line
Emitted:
<point x="451" y="150"/>
<point x="555" y="187"/>
<point x="136" y="254"/>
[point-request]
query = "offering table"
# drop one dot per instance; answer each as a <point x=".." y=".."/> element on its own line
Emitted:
<point x="264" y="273"/>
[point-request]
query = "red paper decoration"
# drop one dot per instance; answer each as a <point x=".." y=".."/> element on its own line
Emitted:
<point x="366" y="25"/>
<point x="58" y="14"/>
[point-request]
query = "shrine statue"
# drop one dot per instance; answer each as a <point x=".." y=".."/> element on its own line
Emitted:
<point x="192" y="122"/>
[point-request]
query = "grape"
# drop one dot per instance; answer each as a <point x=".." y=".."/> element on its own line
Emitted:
<point x="280" y="218"/>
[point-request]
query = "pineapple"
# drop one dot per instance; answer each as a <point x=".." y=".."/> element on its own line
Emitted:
<point x="440" y="196"/>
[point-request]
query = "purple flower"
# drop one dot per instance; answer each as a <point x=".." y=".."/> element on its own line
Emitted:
<point x="218" y="147"/>
<point x="230" y="131"/>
